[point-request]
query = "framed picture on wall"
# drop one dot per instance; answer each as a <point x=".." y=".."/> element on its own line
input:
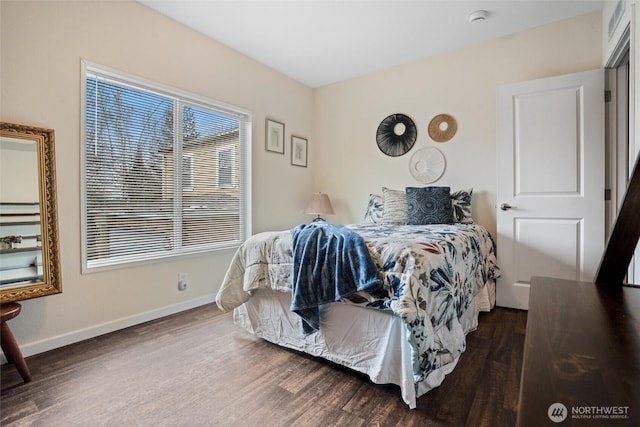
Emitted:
<point x="298" y="151"/>
<point x="275" y="136"/>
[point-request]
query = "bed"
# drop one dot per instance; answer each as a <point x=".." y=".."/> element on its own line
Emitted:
<point x="409" y="331"/>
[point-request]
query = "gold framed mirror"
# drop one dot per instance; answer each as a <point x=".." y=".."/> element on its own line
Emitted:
<point x="29" y="247"/>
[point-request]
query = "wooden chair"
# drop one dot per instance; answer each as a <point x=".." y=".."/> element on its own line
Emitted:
<point x="7" y="340"/>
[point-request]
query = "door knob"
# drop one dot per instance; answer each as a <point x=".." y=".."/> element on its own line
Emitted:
<point x="506" y="206"/>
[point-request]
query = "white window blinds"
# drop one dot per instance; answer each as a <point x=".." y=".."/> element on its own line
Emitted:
<point x="164" y="173"/>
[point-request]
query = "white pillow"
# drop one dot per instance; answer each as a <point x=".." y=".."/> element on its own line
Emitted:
<point x="373" y="215"/>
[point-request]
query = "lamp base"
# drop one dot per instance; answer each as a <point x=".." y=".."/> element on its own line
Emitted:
<point x="318" y="219"/>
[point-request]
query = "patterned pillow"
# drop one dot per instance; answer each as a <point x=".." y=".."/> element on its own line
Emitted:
<point x="461" y="201"/>
<point x="394" y="210"/>
<point x="373" y="215"/>
<point x="429" y="205"/>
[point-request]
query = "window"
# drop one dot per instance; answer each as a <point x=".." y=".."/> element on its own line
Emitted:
<point x="164" y="173"/>
<point x="226" y="160"/>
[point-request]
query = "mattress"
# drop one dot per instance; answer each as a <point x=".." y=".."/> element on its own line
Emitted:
<point x="371" y="341"/>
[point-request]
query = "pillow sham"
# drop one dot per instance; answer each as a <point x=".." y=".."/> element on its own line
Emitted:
<point x="461" y="202"/>
<point x="394" y="207"/>
<point x="429" y="205"/>
<point x="373" y="214"/>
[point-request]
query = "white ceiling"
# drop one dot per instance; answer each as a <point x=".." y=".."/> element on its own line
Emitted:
<point x="318" y="42"/>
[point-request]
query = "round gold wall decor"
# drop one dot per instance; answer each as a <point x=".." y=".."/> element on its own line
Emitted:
<point x="442" y="127"/>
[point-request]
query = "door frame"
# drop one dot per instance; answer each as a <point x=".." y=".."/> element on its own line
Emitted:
<point x="622" y="149"/>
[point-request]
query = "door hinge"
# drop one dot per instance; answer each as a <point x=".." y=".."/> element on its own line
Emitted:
<point x="607" y="194"/>
<point x="607" y="96"/>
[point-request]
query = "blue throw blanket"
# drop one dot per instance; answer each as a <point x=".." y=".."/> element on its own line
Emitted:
<point x="330" y="262"/>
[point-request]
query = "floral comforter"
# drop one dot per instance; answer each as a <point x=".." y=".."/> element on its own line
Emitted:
<point x="431" y="275"/>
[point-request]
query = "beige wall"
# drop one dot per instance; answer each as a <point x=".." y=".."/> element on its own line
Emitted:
<point x="461" y="83"/>
<point x="42" y="44"/>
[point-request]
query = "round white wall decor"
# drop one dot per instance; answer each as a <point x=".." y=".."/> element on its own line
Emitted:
<point x="427" y="165"/>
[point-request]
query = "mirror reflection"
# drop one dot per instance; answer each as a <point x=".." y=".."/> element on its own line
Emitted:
<point x="29" y="255"/>
<point x="20" y="228"/>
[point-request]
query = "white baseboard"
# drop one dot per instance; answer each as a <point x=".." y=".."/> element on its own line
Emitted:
<point x="52" y="343"/>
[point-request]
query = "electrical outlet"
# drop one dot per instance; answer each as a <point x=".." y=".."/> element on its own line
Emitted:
<point x="182" y="281"/>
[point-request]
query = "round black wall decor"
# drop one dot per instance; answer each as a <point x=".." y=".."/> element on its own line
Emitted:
<point x="396" y="135"/>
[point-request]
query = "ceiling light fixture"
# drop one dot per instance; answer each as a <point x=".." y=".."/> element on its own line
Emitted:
<point x="478" y="16"/>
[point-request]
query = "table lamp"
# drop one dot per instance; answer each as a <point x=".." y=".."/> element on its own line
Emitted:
<point x="319" y="205"/>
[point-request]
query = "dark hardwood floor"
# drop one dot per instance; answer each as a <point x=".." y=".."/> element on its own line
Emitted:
<point x="196" y="368"/>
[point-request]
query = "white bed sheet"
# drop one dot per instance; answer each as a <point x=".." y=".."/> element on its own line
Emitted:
<point x="366" y="340"/>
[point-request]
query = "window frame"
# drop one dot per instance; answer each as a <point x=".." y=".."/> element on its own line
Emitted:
<point x="245" y="118"/>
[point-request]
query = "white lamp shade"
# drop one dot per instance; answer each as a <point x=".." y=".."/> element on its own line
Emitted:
<point x="319" y="205"/>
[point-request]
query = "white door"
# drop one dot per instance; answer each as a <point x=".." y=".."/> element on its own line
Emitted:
<point x="550" y="189"/>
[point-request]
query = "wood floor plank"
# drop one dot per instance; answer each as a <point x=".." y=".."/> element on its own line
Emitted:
<point x="515" y="373"/>
<point x="196" y="368"/>
<point x="455" y="397"/>
<point x="487" y="410"/>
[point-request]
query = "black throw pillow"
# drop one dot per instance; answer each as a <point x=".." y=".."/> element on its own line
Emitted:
<point x="429" y="205"/>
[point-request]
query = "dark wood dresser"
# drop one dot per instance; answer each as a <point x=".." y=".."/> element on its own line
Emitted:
<point x="582" y="350"/>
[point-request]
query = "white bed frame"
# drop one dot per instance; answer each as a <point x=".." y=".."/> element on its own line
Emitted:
<point x="383" y="351"/>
